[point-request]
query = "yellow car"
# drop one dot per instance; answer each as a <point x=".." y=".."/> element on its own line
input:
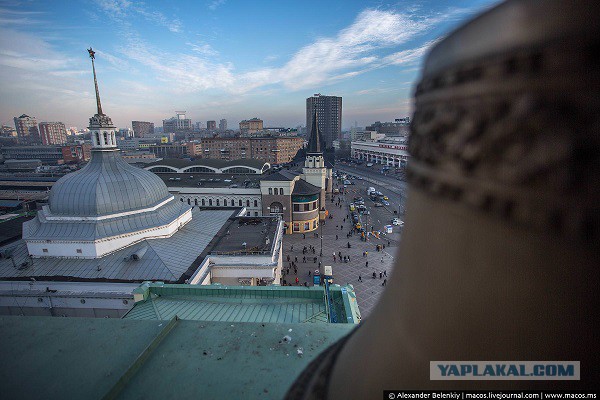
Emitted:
<point x="385" y="198"/>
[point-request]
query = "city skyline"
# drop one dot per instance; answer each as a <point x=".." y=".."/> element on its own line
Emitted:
<point x="217" y="59"/>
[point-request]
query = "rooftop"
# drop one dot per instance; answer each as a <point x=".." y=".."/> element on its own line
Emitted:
<point x="171" y="259"/>
<point x="181" y="163"/>
<point x="89" y="358"/>
<point x="273" y="304"/>
<point x="258" y="233"/>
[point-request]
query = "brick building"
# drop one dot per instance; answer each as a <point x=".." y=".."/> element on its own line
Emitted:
<point x="142" y="128"/>
<point x="274" y="150"/>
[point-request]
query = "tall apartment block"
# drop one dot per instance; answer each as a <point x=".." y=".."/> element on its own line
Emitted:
<point x="329" y="115"/>
<point x="53" y="133"/>
<point x="142" y="128"/>
<point x="223" y="125"/>
<point x="211" y="125"/>
<point x="27" y="129"/>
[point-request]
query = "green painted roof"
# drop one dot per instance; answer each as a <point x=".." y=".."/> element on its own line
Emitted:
<point x="274" y="304"/>
<point x="83" y="358"/>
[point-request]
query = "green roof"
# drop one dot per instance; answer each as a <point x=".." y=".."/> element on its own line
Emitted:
<point x="84" y="358"/>
<point x="276" y="304"/>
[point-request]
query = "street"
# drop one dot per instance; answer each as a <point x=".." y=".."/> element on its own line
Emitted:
<point x="333" y="237"/>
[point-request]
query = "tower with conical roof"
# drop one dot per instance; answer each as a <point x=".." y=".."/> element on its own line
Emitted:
<point x="314" y="169"/>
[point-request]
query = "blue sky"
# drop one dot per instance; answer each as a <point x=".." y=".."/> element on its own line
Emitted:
<point x="217" y="58"/>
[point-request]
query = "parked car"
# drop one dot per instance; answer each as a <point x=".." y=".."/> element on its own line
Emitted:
<point x="396" y="221"/>
<point x="378" y="205"/>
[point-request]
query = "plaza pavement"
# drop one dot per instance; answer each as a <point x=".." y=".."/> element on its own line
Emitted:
<point x="369" y="290"/>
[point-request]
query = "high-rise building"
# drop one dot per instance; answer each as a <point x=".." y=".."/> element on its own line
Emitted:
<point x="53" y="133"/>
<point x="177" y="124"/>
<point x="329" y="116"/>
<point x="211" y="125"/>
<point x="142" y="128"/>
<point x="27" y="129"/>
<point x="223" y="125"/>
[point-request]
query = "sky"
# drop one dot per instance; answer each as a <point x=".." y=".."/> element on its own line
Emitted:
<point x="217" y="59"/>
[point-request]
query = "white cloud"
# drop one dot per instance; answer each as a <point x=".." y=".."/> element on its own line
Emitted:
<point x="410" y="56"/>
<point x="203" y="49"/>
<point x="215" y="4"/>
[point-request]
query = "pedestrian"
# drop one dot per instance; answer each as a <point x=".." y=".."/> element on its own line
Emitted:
<point x="296" y="259"/>
<point x="385" y="273"/>
<point x="319" y="264"/>
<point x="341" y="227"/>
<point x="288" y="257"/>
<point x="388" y="242"/>
<point x="382" y="259"/>
<point x="334" y="258"/>
<point x="384" y="246"/>
<point x="297" y="280"/>
<point x="336" y="237"/>
<point x="304" y="236"/>
<point x="315" y="260"/>
<point x="305" y="284"/>
<point x="292" y="248"/>
<point x="366" y="264"/>
<point x="340" y="254"/>
<point x="359" y="278"/>
<point x="366" y="254"/>
<point x="380" y="275"/>
<point x="309" y="272"/>
<point x="374" y="276"/>
<point x="304" y="259"/>
<point x="384" y="282"/>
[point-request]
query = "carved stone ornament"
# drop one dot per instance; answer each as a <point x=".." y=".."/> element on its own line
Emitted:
<point x="511" y="126"/>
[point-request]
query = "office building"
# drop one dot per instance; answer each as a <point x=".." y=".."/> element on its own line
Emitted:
<point x="223" y="125"/>
<point x="27" y="130"/>
<point x="329" y="116"/>
<point x="142" y="128"/>
<point x="211" y="125"/>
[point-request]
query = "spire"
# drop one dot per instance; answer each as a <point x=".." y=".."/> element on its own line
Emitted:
<point x="92" y="53"/>
<point x="314" y="142"/>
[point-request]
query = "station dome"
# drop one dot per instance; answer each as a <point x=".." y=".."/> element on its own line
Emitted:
<point x="106" y="185"/>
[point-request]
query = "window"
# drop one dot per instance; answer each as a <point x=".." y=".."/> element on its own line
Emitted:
<point x="315" y="224"/>
<point x="296" y="227"/>
<point x="240" y="203"/>
<point x="196" y="201"/>
<point x="203" y="202"/>
<point x="296" y="207"/>
<point x="281" y="191"/>
<point x="189" y="202"/>
<point x="314" y="205"/>
<point x="256" y="213"/>
<point x="45" y="250"/>
<point x="255" y="203"/>
<point x="270" y="191"/>
<point x="210" y="202"/>
<point x="79" y="251"/>
<point x="306" y="207"/>
<point x="247" y="213"/>
<point x="181" y="200"/>
<point x="247" y="203"/>
<point x="225" y="202"/>
<point x="218" y="202"/>
<point x="306" y="226"/>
